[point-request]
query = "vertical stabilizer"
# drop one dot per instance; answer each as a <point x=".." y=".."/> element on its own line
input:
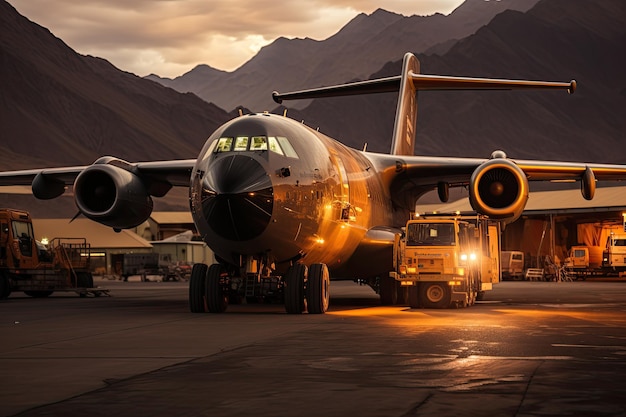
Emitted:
<point x="403" y="140"/>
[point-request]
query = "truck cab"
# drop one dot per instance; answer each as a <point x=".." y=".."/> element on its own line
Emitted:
<point x="614" y="255"/>
<point x="29" y="266"/>
<point x="17" y="240"/>
<point x="447" y="260"/>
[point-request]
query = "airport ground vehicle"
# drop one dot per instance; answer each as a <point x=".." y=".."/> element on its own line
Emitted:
<point x="447" y="261"/>
<point x="586" y="261"/>
<point x="614" y="255"/>
<point x="145" y="264"/>
<point x="37" y="269"/>
<point x="512" y="264"/>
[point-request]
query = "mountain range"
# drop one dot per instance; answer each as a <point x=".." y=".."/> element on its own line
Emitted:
<point x="359" y="49"/>
<point x="58" y="107"/>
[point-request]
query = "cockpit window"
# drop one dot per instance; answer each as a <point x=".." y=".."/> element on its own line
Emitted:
<point x="259" y="143"/>
<point x="284" y="143"/>
<point x="276" y="144"/>
<point x="224" y="145"/>
<point x="241" y="143"/>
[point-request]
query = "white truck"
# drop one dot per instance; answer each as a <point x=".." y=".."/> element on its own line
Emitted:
<point x="447" y="261"/>
<point x="614" y="255"/>
<point x="512" y="262"/>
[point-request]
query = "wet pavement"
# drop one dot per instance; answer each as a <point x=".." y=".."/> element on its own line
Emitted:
<point x="530" y="349"/>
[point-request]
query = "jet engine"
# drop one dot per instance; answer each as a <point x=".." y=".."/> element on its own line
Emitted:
<point x="499" y="188"/>
<point x="112" y="195"/>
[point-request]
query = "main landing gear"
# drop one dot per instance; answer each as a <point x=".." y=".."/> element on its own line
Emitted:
<point x="301" y="289"/>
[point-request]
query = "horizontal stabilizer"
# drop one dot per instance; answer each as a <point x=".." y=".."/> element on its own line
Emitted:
<point x="408" y="83"/>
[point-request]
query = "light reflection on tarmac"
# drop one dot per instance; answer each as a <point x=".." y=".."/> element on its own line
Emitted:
<point x="531" y="349"/>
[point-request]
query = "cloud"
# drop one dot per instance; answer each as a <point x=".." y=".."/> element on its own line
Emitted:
<point x="169" y="37"/>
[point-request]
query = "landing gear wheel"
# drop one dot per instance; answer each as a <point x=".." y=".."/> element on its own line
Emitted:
<point x="216" y="298"/>
<point x="295" y="278"/>
<point x="480" y="295"/>
<point x="435" y="295"/>
<point x="414" y="296"/>
<point x="196" y="288"/>
<point x="318" y="289"/>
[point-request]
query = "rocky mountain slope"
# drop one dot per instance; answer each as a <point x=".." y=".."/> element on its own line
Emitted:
<point x="58" y="107"/>
<point x="360" y="48"/>
<point x="557" y="40"/>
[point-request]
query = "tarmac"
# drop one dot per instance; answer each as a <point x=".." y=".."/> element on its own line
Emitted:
<point x="529" y="349"/>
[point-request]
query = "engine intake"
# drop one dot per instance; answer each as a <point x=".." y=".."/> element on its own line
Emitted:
<point x="112" y="196"/>
<point x="499" y="189"/>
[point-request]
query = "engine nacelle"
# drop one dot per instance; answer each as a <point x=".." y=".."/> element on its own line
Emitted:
<point x="499" y="189"/>
<point x="112" y="196"/>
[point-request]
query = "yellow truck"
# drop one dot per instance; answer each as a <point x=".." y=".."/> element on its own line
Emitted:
<point x="37" y="269"/>
<point x="447" y="261"/>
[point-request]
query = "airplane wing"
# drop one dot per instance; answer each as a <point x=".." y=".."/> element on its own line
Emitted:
<point x="111" y="191"/>
<point x="173" y="173"/>
<point x="498" y="186"/>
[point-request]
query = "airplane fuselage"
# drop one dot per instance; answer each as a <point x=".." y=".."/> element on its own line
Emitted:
<point x="265" y="185"/>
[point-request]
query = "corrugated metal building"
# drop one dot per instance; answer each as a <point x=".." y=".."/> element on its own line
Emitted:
<point x="103" y="240"/>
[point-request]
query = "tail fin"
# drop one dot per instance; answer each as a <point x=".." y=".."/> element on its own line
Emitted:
<point x="403" y="140"/>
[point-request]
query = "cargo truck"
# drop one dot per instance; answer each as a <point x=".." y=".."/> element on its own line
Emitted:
<point x="38" y="269"/>
<point x="447" y="261"/>
<point x="588" y="261"/>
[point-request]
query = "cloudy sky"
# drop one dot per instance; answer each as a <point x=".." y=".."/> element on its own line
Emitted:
<point x="170" y="37"/>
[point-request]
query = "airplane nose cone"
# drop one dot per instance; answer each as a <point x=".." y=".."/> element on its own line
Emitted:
<point x="237" y="197"/>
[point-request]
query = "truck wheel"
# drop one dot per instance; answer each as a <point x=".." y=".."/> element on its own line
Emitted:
<point x="295" y="278"/>
<point x="318" y="289"/>
<point x="196" y="288"/>
<point x="216" y="299"/>
<point x="414" y="296"/>
<point x="434" y="295"/>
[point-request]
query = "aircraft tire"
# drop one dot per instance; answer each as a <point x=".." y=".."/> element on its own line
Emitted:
<point x="295" y="302"/>
<point x="434" y="295"/>
<point x="318" y="289"/>
<point x="196" y="288"/>
<point x="414" y="296"/>
<point x="216" y="299"/>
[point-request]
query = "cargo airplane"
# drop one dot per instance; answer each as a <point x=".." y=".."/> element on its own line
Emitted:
<point x="286" y="208"/>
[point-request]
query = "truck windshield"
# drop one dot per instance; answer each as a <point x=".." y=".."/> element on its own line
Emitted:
<point x="23" y="231"/>
<point x="430" y="234"/>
